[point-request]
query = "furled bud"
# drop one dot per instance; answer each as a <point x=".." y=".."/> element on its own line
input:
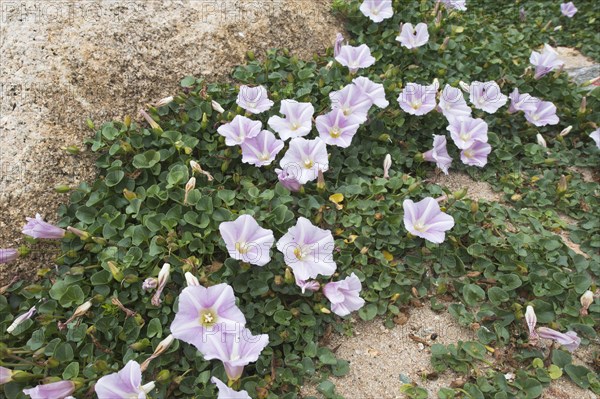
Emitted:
<point x="191" y="280"/>
<point x="164" y="101"/>
<point x="387" y="164"/>
<point x="115" y="271"/>
<point x="129" y="195"/>
<point x="217" y="107"/>
<point x="586" y="300"/>
<point x="561" y="187"/>
<point x="20" y="319"/>
<point x="153" y="124"/>
<point x="583" y="106"/>
<point x="160" y="349"/>
<point x="531" y="321"/>
<point x="444" y="45"/>
<point x="191" y="184"/>
<point x="565" y="131"/>
<point x="79" y="233"/>
<point x="465" y="87"/>
<point x="82" y="309"/>
<point x="163" y="277"/>
<point x="321" y="181"/>
<point x="541" y="141"/>
<point x="149" y="284"/>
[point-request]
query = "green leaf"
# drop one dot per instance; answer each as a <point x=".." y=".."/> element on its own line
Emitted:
<point x="73" y="296"/>
<point x="71" y="371"/>
<point x="473" y="294"/>
<point x="146" y="160"/>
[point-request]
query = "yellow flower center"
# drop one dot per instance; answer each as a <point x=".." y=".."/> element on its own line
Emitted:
<point x="299" y="253"/>
<point x="308" y="163"/>
<point x="416" y="105"/>
<point x="465" y="136"/>
<point x="208" y="318"/>
<point x="295" y="126"/>
<point x="265" y="156"/>
<point x="468" y="153"/>
<point x="241" y="247"/>
<point x="335" y="132"/>
<point x="419" y="226"/>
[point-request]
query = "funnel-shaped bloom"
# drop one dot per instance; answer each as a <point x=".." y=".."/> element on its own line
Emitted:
<point x="486" y="96"/>
<point x="531" y="320"/>
<point x="377" y="10"/>
<point x="543" y="114"/>
<point x="569" y="340"/>
<point x="425" y="219"/>
<point x="8" y="255"/>
<point x="466" y="131"/>
<point x="247" y="241"/>
<point x="355" y="57"/>
<point x="5" y="375"/>
<point x="37" y="228"/>
<point x="304" y="158"/>
<point x="308" y="250"/>
<point x="235" y="350"/>
<point x="476" y="154"/>
<point x="344" y="295"/>
<point x="55" y="390"/>
<point x="353" y="101"/>
<point x="127" y="383"/>
<point x="455" y="4"/>
<point x="374" y="91"/>
<point x="522" y="102"/>
<point x="595" y="135"/>
<point x="545" y="62"/>
<point x="262" y="149"/>
<point x="417" y="99"/>
<point x="568" y="9"/>
<point x="254" y="99"/>
<point x="288" y="181"/>
<point x="206" y="312"/>
<point x="337" y="129"/>
<point x="413" y="37"/>
<point x="452" y="104"/>
<point x="297" y="121"/>
<point x="239" y="129"/>
<point x="227" y="393"/>
<point x="439" y="153"/>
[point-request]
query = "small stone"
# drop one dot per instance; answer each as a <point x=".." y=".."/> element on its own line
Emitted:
<point x="405" y="379"/>
<point x="420" y="346"/>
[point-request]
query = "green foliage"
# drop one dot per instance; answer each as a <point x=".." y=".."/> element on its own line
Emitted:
<point x="497" y="259"/>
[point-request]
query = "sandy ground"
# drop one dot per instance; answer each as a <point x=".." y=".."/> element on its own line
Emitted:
<point x="65" y="61"/>
<point x="62" y="62"/>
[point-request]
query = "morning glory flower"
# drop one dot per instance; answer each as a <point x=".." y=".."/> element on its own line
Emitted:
<point x="344" y="295"/>
<point x="543" y="114"/>
<point x="476" y="154"/>
<point x="453" y="104"/>
<point x="465" y="131"/>
<point x="417" y="99"/>
<point x="235" y="350"/>
<point x="425" y="219"/>
<point x="355" y="57"/>
<point x="20" y="319"/>
<point x="298" y="120"/>
<point x="239" y="129"/>
<point x="204" y="313"/>
<point x="455" y="4"/>
<point x="337" y="129"/>
<point x="308" y="250"/>
<point x="304" y="158"/>
<point x="37" y="228"/>
<point x="595" y="135"/>
<point x="569" y="340"/>
<point x="531" y="320"/>
<point x="288" y="181"/>
<point x="55" y="390"/>
<point x="545" y="62"/>
<point x="439" y="154"/>
<point x="8" y="255"/>
<point x="374" y="91"/>
<point x="262" y="149"/>
<point x="568" y="9"/>
<point x="353" y="101"/>
<point x="149" y="284"/>
<point x="227" y="393"/>
<point x="126" y="383"/>
<point x="254" y="99"/>
<point x="486" y="96"/>
<point x="377" y="10"/>
<point x="247" y="241"/>
<point x="413" y="37"/>
<point x="522" y="102"/>
<point x="311" y="285"/>
<point x="5" y="375"/>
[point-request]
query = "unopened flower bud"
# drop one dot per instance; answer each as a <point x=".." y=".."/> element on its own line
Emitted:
<point x="541" y="141"/>
<point x="127" y="121"/>
<point x="474" y="206"/>
<point x="558" y="71"/>
<point x="444" y="45"/>
<point x="90" y="124"/>
<point x="329" y="65"/>
<point x="204" y="123"/>
<point x="583" y="106"/>
<point x="140" y="345"/>
<point x="586" y="301"/>
<point x="79" y="233"/>
<point x="72" y="149"/>
<point x="438" y="19"/>
<point x="82" y="309"/>
<point x="387" y="164"/>
<point x="163" y="277"/>
<point x="191" y="184"/>
<point x="320" y="181"/>
<point x="565" y="131"/>
<point x="325" y="310"/>
<point x="164" y="101"/>
<point x="191" y="280"/>
<point x="163" y="376"/>
<point x="115" y="271"/>
<point x="561" y="187"/>
<point x="460" y="194"/>
<point x="20" y="319"/>
<point x="153" y="124"/>
<point x="288" y="276"/>
<point x="217" y="107"/>
<point x="62" y="188"/>
<point x="465" y="87"/>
